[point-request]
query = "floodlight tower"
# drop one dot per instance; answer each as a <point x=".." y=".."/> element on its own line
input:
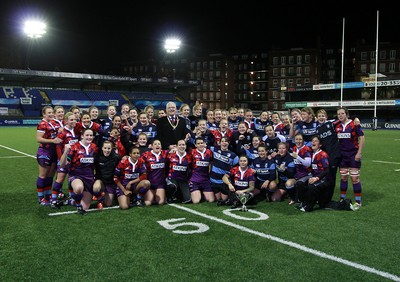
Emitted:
<point x="34" y="30"/>
<point x="171" y="45"/>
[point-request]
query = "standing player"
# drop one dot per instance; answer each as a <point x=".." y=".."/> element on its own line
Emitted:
<point x="271" y="140"/>
<point x="241" y="138"/>
<point x="351" y="141"/>
<point x="307" y="126"/>
<point x="144" y="125"/>
<point x="59" y="117"/>
<point x="252" y="151"/>
<point x="201" y="131"/>
<point x="221" y="132"/>
<point x="46" y="156"/>
<point x="67" y="136"/>
<point x="87" y="122"/>
<point x="330" y="144"/>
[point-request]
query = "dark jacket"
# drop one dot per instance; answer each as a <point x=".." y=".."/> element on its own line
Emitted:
<point x="105" y="167"/>
<point x="169" y="134"/>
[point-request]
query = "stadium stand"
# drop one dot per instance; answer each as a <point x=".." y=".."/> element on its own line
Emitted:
<point x="29" y="101"/>
<point x="102" y="99"/>
<point x="21" y="101"/>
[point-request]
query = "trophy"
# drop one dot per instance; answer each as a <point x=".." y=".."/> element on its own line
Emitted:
<point x="244" y="198"/>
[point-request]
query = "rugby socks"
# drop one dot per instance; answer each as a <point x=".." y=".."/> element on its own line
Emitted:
<point x="40" y="182"/>
<point x="77" y="198"/>
<point x="357" y="192"/>
<point x="141" y="193"/>
<point x="57" y="188"/>
<point x="47" y="187"/>
<point x="343" y="189"/>
<point x="99" y="196"/>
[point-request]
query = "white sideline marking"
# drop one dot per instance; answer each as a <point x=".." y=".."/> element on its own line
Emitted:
<point x="89" y="210"/>
<point x="12" y="157"/>
<point x="384" y="162"/>
<point x="293" y="245"/>
<point x="19" y="152"/>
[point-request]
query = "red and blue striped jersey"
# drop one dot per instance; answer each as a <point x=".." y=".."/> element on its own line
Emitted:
<point x="201" y="165"/>
<point x="179" y="166"/>
<point x="67" y="136"/>
<point x="127" y="170"/>
<point x="348" y="136"/>
<point x="49" y="131"/>
<point x="319" y="164"/>
<point x="81" y="159"/>
<point x="241" y="179"/>
<point x="155" y="165"/>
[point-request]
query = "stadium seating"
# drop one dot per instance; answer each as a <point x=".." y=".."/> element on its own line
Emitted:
<point x="27" y="100"/>
<point x="36" y="98"/>
<point x="101" y="99"/>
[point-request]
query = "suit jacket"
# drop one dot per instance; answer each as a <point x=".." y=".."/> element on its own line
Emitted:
<point x="166" y="132"/>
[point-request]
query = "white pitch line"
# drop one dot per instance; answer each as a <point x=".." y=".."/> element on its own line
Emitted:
<point x="293" y="245"/>
<point x="13" y="157"/>
<point x="19" y="152"/>
<point x="89" y="210"/>
<point x="385" y="162"/>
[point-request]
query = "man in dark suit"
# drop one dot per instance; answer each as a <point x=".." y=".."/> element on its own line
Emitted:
<point x="171" y="128"/>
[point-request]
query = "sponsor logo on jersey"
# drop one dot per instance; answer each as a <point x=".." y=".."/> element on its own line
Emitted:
<point x="262" y="171"/>
<point x="222" y="158"/>
<point x="344" y="135"/>
<point x="308" y="131"/>
<point x="201" y="163"/>
<point x="156" y="166"/>
<point x="241" y="183"/>
<point x="89" y="160"/>
<point x="131" y="175"/>
<point x="325" y="134"/>
<point x="179" y="168"/>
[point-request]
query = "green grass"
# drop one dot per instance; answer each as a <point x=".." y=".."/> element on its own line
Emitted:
<point x="114" y="245"/>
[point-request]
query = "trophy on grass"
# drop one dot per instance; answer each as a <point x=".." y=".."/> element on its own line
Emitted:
<point x="244" y="198"/>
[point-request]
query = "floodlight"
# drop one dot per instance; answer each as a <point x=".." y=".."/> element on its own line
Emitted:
<point x="172" y="44"/>
<point x="34" y="29"/>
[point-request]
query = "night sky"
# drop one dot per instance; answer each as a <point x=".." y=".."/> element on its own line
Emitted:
<point x="98" y="37"/>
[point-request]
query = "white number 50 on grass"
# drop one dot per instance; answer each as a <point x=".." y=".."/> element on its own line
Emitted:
<point x="170" y="225"/>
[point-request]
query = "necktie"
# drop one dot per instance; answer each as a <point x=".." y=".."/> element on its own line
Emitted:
<point x="173" y="119"/>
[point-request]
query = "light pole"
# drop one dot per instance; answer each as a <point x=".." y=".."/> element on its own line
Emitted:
<point x="33" y="29"/>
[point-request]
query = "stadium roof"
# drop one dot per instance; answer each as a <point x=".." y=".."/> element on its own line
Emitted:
<point x="52" y="79"/>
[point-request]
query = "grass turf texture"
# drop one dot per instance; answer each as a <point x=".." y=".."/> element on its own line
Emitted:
<point x="126" y="245"/>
